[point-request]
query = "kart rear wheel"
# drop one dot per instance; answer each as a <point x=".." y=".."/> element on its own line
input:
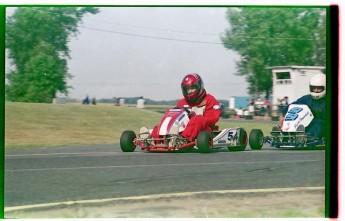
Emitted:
<point x="256" y="139"/>
<point x="127" y="141"/>
<point x="204" y="142"/>
<point x="243" y="140"/>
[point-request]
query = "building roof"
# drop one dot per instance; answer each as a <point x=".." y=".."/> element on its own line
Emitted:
<point x="297" y="67"/>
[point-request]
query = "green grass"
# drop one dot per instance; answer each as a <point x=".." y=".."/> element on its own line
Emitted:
<point x="29" y="124"/>
<point x="33" y="124"/>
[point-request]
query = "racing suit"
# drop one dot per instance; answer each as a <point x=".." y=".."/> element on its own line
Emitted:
<point x="203" y="117"/>
<point x="318" y="108"/>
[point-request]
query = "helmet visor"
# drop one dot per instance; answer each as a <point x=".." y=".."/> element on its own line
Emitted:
<point x="316" y="89"/>
<point x="191" y="89"/>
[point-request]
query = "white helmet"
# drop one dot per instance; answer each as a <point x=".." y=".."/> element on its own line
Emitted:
<point x="319" y="81"/>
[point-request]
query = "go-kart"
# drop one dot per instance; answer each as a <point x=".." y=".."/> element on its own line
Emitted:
<point x="170" y="127"/>
<point x="291" y="133"/>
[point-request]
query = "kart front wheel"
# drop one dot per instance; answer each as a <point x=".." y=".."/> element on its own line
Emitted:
<point x="127" y="141"/>
<point x="256" y="139"/>
<point x="204" y="142"/>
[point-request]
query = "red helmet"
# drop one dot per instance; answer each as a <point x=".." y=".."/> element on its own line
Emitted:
<point x="196" y="81"/>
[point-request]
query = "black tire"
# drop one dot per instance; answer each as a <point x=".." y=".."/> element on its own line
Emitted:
<point x="204" y="142"/>
<point x="300" y="128"/>
<point x="300" y="141"/>
<point x="256" y="139"/>
<point x="243" y="141"/>
<point x="127" y="141"/>
<point x="275" y="133"/>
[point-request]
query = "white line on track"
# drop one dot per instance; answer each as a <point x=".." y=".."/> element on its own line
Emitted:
<point x="160" y="165"/>
<point x="114" y="153"/>
<point x="157" y="196"/>
<point x="62" y="154"/>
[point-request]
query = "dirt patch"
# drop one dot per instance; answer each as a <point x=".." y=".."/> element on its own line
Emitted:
<point x="304" y="203"/>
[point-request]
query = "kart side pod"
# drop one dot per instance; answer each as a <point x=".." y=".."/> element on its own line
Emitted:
<point x="235" y="139"/>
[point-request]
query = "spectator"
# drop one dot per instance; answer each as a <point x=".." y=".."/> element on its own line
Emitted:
<point x="86" y="100"/>
<point x="93" y="101"/>
<point x="267" y="105"/>
<point x="116" y="101"/>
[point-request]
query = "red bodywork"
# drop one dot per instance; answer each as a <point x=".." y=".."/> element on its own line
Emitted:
<point x="169" y="119"/>
<point x="163" y="143"/>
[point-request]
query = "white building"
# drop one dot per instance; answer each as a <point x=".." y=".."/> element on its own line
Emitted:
<point x="292" y="81"/>
<point x="140" y="103"/>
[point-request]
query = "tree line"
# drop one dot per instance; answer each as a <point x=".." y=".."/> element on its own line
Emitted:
<point x="37" y="43"/>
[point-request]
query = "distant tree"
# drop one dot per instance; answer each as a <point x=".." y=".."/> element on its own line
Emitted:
<point x="37" y="42"/>
<point x="274" y="36"/>
<point x="320" y="43"/>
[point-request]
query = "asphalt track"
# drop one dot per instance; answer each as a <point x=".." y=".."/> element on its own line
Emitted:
<point x="41" y="177"/>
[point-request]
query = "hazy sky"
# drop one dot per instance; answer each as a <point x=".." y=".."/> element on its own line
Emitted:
<point x="146" y="51"/>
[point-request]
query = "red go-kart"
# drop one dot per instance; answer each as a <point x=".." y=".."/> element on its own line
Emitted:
<point x="172" y="124"/>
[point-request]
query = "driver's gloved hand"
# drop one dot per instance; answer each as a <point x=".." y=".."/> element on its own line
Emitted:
<point x="191" y="114"/>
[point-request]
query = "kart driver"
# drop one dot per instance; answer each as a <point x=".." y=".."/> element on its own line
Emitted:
<point x="204" y="108"/>
<point x="316" y="101"/>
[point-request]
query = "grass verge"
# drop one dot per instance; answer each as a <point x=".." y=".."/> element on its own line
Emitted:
<point x="33" y="124"/>
<point x="295" y="204"/>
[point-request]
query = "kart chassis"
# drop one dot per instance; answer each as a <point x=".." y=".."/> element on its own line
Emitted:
<point x="235" y="139"/>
